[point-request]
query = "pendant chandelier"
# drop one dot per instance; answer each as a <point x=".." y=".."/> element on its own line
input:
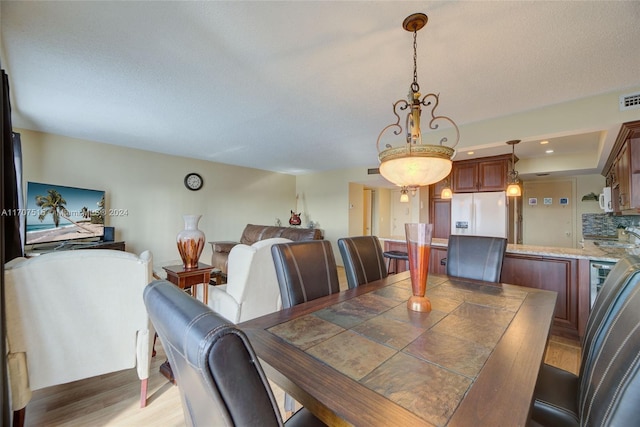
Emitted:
<point x="411" y="163"/>
<point x="513" y="189"/>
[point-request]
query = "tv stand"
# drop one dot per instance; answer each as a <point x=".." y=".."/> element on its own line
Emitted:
<point x="68" y="246"/>
<point x="118" y="246"/>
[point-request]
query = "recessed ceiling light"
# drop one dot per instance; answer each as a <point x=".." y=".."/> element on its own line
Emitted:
<point x="470" y="152"/>
<point x="549" y="151"/>
<point x="544" y="142"/>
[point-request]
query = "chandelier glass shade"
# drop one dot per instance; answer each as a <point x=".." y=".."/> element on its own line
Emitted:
<point x="404" y="195"/>
<point x="409" y="167"/>
<point x="446" y="192"/>
<point x="411" y="163"/>
<point x="513" y="188"/>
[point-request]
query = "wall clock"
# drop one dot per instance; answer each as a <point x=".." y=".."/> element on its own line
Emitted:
<point x="193" y="181"/>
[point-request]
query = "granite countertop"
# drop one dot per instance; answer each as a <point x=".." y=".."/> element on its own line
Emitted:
<point x="591" y="251"/>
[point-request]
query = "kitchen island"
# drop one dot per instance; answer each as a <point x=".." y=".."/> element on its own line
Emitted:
<point x="563" y="270"/>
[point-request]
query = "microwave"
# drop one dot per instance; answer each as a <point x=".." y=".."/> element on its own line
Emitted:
<point x="605" y="200"/>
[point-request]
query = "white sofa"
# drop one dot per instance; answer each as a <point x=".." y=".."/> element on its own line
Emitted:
<point x="252" y="286"/>
<point x="76" y="314"/>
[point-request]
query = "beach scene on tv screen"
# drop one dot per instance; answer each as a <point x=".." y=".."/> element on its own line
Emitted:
<point x="57" y="213"/>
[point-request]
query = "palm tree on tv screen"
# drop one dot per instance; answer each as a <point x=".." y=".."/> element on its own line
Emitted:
<point x="86" y="213"/>
<point x="53" y="203"/>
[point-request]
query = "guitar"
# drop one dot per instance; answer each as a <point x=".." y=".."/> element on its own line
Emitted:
<point x="295" y="219"/>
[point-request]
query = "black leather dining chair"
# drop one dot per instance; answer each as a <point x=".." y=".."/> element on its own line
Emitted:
<point x="218" y="374"/>
<point x="475" y="257"/>
<point x="306" y="270"/>
<point x="362" y="259"/>
<point x="607" y="389"/>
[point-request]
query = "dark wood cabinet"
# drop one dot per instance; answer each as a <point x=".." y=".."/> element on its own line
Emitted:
<point x="622" y="169"/>
<point x="623" y="174"/>
<point x="485" y="174"/>
<point x="440" y="215"/>
<point x="554" y="274"/>
<point x="435" y="261"/>
<point x="465" y="177"/>
<point x="439" y="211"/>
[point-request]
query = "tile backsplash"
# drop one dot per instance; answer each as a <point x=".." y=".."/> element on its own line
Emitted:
<point x="605" y="225"/>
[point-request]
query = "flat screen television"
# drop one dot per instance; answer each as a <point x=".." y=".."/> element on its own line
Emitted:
<point x="55" y="213"/>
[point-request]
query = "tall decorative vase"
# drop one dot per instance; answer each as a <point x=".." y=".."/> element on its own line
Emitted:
<point x="419" y="250"/>
<point x="190" y="241"/>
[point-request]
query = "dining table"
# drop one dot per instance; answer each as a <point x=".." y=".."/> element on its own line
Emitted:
<point x="361" y="357"/>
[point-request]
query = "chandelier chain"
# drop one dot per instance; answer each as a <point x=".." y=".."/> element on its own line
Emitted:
<point x="513" y="173"/>
<point x="415" y="87"/>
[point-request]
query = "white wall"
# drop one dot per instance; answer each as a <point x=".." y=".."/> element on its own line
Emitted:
<point x="149" y="186"/>
<point x="327" y="201"/>
<point x="582" y="185"/>
<point x="551" y="224"/>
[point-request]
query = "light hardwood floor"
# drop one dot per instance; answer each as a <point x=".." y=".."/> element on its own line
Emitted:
<point x="113" y="399"/>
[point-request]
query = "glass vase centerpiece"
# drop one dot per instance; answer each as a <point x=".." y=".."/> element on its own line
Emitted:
<point x="419" y="251"/>
<point x="190" y="241"/>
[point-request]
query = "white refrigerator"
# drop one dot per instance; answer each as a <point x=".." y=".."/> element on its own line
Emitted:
<point x="480" y="214"/>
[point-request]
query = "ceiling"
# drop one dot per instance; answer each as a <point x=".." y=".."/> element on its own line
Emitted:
<point x="301" y="86"/>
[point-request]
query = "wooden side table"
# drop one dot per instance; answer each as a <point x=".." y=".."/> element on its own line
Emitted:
<point x="187" y="277"/>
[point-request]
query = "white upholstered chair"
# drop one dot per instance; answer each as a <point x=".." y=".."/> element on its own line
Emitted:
<point x="252" y="286"/>
<point x="76" y="314"/>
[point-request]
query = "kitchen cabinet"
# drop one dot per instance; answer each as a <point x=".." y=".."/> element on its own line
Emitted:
<point x="624" y="178"/>
<point x="622" y="170"/>
<point x="439" y="211"/>
<point x="484" y="174"/>
<point x="560" y="275"/>
<point x="435" y="262"/>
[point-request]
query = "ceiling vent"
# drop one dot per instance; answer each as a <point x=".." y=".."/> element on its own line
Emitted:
<point x="630" y="102"/>
<point x="373" y="171"/>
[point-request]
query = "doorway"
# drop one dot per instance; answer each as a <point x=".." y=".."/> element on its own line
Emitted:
<point x="367" y="220"/>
